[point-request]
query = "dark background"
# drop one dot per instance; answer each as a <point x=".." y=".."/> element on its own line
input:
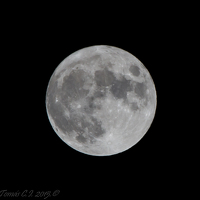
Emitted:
<point x="33" y="157"/>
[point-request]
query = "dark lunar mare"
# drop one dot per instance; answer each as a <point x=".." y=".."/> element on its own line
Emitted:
<point x="134" y="70"/>
<point x="120" y="88"/>
<point x="72" y="90"/>
<point x="134" y="106"/>
<point x="140" y="89"/>
<point x="81" y="139"/>
<point x="72" y="87"/>
<point x="100" y="93"/>
<point x="94" y="128"/>
<point x="68" y="125"/>
<point x="90" y="106"/>
<point x="104" y="77"/>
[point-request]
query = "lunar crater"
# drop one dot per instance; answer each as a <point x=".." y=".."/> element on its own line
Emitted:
<point x="101" y="100"/>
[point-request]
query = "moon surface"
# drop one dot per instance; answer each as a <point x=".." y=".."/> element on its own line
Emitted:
<point x="101" y="100"/>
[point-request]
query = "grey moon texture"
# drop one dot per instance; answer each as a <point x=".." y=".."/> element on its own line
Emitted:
<point x="101" y="100"/>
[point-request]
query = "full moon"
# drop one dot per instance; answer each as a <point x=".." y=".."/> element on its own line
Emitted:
<point x="101" y="100"/>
